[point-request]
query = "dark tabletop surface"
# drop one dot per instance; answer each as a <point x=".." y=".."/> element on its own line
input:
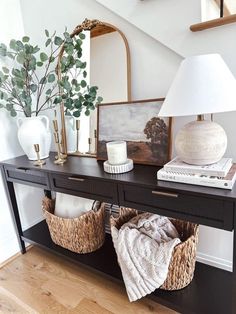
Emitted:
<point x="143" y="175"/>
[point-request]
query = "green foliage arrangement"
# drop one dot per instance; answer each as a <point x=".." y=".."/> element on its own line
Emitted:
<point x="76" y="94"/>
<point x="30" y="84"/>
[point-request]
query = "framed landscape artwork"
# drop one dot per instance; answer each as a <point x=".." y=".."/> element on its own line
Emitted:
<point x="148" y="136"/>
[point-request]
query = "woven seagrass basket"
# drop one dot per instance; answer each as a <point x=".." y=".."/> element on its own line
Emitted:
<point x="84" y="234"/>
<point x="182" y="265"/>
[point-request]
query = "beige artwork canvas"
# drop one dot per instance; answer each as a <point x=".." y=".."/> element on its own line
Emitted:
<point x="148" y="136"/>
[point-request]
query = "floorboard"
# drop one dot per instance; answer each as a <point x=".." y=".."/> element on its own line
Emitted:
<point x="40" y="282"/>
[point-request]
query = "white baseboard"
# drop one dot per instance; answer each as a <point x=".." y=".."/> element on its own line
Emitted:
<point x="9" y="248"/>
<point x="8" y="241"/>
<point x="214" y="261"/>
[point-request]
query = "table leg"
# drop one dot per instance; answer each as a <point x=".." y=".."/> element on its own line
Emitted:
<point x="48" y="193"/>
<point x="234" y="270"/>
<point x="10" y="192"/>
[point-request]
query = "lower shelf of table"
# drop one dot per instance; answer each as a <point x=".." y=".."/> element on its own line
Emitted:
<point x="209" y="292"/>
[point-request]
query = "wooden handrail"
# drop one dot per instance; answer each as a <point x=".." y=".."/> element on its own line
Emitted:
<point x="213" y="23"/>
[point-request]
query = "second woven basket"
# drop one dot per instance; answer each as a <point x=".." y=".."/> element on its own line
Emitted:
<point x="182" y="265"/>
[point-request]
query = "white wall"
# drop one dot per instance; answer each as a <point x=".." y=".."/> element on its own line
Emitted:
<point x="11" y="26"/>
<point x="8" y="143"/>
<point x="152" y="65"/>
<point x="168" y="22"/>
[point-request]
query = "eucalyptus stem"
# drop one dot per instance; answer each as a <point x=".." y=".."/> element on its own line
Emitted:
<point x="41" y="87"/>
<point x="40" y="108"/>
<point x="21" y="83"/>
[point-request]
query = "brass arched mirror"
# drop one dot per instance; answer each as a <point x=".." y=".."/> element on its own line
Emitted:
<point x="105" y="52"/>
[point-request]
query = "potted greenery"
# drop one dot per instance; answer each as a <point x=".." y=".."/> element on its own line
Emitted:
<point x="30" y="85"/>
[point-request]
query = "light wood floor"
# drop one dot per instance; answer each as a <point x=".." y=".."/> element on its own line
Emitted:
<point x="39" y="282"/>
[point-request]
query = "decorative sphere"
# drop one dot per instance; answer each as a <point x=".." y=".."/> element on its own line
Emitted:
<point x="201" y="143"/>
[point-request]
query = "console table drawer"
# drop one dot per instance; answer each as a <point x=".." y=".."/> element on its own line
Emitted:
<point x="84" y="187"/>
<point x="27" y="176"/>
<point x="199" y="209"/>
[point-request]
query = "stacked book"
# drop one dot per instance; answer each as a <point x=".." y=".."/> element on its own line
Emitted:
<point x="219" y="175"/>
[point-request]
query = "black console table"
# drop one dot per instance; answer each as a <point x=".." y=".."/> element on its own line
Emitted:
<point x="212" y="291"/>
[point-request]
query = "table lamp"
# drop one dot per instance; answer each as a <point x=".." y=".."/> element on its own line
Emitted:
<point x="203" y="85"/>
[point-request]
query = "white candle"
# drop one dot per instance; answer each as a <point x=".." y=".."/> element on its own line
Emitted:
<point x="117" y="152"/>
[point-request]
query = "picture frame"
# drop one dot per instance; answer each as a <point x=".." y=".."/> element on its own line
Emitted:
<point x="148" y="136"/>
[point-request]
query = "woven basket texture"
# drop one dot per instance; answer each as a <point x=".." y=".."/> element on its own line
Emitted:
<point x="84" y="234"/>
<point x="182" y="265"/>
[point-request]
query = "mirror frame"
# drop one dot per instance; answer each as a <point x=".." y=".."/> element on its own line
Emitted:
<point x="89" y="25"/>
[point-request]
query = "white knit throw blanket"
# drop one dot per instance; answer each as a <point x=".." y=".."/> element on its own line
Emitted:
<point x="144" y="247"/>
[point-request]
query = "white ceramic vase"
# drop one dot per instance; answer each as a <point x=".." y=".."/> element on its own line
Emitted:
<point x="71" y="134"/>
<point x="34" y="130"/>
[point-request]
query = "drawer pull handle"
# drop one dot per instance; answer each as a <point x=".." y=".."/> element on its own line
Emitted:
<point x="165" y="193"/>
<point x="76" y="179"/>
<point x="22" y="169"/>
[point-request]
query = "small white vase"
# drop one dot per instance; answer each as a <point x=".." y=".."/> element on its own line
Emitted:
<point x="34" y="130"/>
<point x="71" y="134"/>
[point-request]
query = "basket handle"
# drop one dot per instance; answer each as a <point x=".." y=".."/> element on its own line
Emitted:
<point x="125" y="214"/>
<point x="94" y="202"/>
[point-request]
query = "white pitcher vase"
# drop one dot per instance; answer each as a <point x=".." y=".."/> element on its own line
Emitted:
<point x="34" y="130"/>
<point x="71" y="134"/>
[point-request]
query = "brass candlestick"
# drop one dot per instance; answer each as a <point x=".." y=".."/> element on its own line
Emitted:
<point x="95" y="141"/>
<point x="89" y="142"/>
<point x="77" y="135"/>
<point x="64" y="156"/>
<point x="59" y="160"/>
<point x="55" y="126"/>
<point x="38" y="162"/>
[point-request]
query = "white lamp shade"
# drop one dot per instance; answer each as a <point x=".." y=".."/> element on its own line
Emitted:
<point x="203" y="84"/>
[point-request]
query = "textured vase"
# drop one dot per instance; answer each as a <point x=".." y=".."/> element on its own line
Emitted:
<point x="201" y="143"/>
<point x="34" y="130"/>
